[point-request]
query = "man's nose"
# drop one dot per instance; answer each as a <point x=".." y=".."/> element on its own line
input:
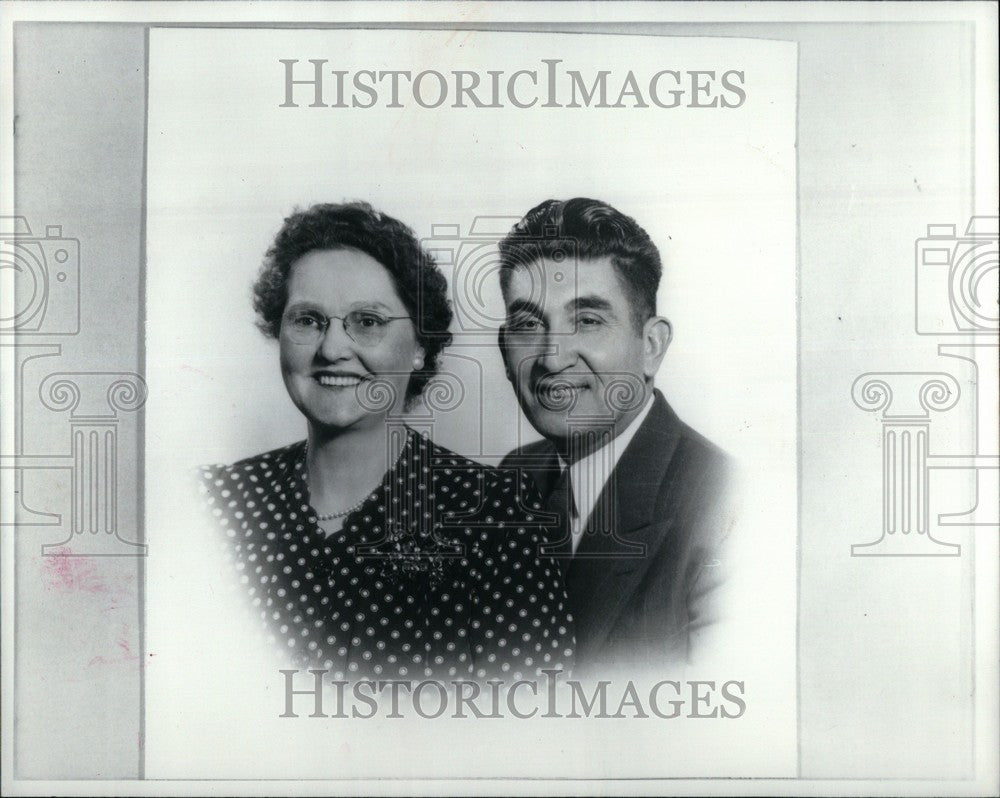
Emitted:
<point x="559" y="352"/>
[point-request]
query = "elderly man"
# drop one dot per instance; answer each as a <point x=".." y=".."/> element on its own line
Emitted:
<point x="635" y="493"/>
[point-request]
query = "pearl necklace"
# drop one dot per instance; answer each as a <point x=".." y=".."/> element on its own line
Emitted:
<point x="342" y="513"/>
<point x="349" y="510"/>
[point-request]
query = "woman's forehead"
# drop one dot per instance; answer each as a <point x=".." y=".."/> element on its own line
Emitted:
<point x="339" y="277"/>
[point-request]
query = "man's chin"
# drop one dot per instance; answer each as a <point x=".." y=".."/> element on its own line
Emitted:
<point x="558" y="426"/>
<point x="552" y="429"/>
<point x="552" y="424"/>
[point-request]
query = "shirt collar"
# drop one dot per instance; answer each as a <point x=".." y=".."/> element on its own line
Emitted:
<point x="590" y="474"/>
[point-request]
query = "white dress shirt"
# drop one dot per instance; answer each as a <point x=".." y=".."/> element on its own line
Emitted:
<point x="590" y="474"/>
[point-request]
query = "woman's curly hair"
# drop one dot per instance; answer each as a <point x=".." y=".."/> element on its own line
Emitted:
<point x="356" y="225"/>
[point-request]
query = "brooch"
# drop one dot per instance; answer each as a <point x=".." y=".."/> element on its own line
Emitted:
<point x="402" y="557"/>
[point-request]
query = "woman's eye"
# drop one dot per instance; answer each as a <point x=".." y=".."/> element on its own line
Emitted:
<point x="305" y="321"/>
<point x="369" y="320"/>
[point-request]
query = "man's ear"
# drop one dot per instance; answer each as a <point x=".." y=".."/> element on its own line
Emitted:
<point x="502" y="343"/>
<point x="656" y="336"/>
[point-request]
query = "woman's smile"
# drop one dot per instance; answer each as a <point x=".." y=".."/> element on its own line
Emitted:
<point x="330" y="380"/>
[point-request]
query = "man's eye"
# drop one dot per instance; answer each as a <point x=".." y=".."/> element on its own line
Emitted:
<point x="590" y="321"/>
<point x="525" y="324"/>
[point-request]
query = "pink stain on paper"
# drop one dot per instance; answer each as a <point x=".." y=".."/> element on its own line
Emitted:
<point x="72" y="574"/>
<point x="80" y="575"/>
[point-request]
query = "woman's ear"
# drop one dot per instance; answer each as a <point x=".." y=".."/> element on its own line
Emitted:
<point x="657" y="333"/>
<point x="418" y="358"/>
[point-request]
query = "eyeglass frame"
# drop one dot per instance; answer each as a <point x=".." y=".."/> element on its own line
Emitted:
<point x="327" y="319"/>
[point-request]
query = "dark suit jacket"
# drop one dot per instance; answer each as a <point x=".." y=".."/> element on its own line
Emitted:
<point x="647" y="572"/>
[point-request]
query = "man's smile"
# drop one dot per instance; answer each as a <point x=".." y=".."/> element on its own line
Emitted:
<point x="558" y="394"/>
<point x="559" y="385"/>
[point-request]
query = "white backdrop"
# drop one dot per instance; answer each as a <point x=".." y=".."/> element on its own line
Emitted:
<point x="715" y="188"/>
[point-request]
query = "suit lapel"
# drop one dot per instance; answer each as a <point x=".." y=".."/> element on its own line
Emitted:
<point x="623" y="532"/>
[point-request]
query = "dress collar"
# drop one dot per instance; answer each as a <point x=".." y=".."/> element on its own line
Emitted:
<point x="291" y="485"/>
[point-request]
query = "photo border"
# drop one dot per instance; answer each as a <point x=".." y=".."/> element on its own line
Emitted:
<point x="525" y="27"/>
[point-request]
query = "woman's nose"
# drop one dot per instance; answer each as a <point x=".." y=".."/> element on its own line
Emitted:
<point x="336" y="344"/>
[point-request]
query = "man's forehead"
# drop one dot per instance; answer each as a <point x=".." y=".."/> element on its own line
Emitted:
<point x="549" y="281"/>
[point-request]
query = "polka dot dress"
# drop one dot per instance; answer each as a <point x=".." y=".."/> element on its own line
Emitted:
<point x="436" y="575"/>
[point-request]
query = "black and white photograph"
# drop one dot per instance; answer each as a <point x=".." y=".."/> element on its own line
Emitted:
<point x="442" y="403"/>
<point x="545" y="398"/>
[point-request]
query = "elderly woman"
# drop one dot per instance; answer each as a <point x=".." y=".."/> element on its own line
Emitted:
<point x="368" y="549"/>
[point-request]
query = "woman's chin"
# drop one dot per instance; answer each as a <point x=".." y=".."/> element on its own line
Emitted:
<point x="337" y="409"/>
<point x="345" y="413"/>
<point x="341" y="422"/>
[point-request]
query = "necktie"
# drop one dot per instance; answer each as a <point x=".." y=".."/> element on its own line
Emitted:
<point x="560" y="502"/>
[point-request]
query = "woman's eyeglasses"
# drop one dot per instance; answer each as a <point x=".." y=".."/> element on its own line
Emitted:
<point x="364" y="327"/>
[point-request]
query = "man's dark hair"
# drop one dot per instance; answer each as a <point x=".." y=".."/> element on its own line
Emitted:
<point x="356" y="225"/>
<point x="589" y="229"/>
